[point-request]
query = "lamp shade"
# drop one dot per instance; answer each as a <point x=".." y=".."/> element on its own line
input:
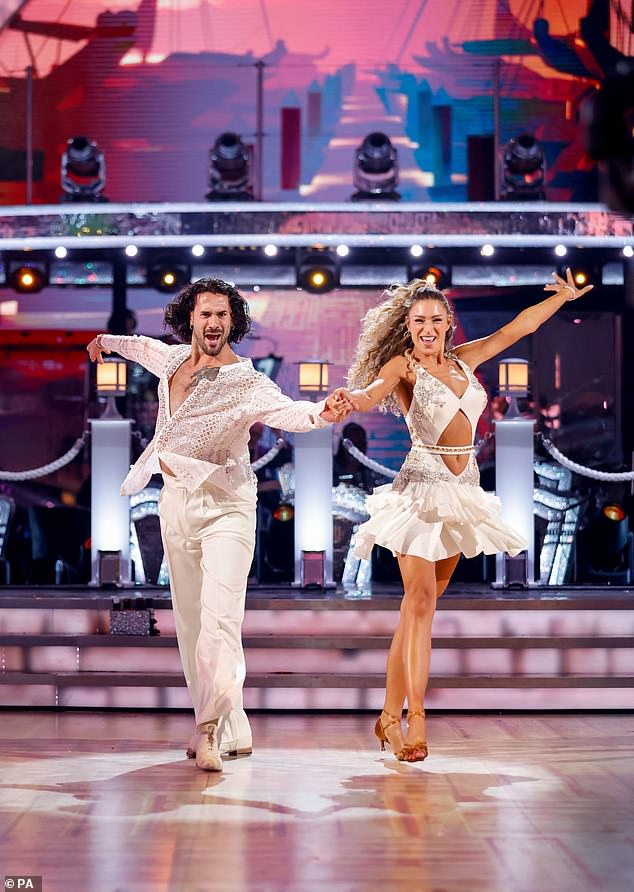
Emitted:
<point x="313" y="376"/>
<point x="513" y="377"/>
<point x="112" y="377"/>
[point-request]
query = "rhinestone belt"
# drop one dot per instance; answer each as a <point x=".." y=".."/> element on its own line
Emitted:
<point x="444" y="450"/>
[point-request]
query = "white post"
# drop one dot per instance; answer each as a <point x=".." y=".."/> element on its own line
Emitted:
<point x="110" y="512"/>
<point x="313" y="498"/>
<point x="514" y="484"/>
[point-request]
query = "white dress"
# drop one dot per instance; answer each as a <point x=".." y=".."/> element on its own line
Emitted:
<point x="428" y="511"/>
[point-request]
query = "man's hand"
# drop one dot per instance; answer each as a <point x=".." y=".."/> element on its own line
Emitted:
<point x="338" y="407"/>
<point x="95" y="350"/>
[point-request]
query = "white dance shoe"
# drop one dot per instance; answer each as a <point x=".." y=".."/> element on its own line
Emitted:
<point x="242" y="746"/>
<point x="206" y="753"/>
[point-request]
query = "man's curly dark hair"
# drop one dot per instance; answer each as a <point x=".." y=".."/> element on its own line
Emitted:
<point x="178" y="311"/>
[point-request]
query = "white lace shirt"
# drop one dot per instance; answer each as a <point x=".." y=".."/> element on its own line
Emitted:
<point x="206" y="439"/>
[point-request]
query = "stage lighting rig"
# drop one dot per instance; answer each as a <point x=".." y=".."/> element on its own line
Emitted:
<point x="317" y="272"/>
<point x="83" y="171"/>
<point x="230" y="170"/>
<point x="375" y="173"/>
<point x="523" y="170"/>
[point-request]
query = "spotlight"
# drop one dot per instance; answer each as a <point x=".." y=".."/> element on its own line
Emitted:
<point x="376" y="169"/>
<point x="628" y="251"/>
<point x="131" y="250"/>
<point x="561" y="250"/>
<point x="434" y="274"/>
<point x="270" y="250"/>
<point x="604" y="547"/>
<point x="343" y="250"/>
<point x="580" y="277"/>
<point x="198" y="250"/>
<point x="416" y="251"/>
<point x="83" y="171"/>
<point x="317" y="272"/>
<point x="60" y="252"/>
<point x="230" y="170"/>
<point x="167" y="277"/>
<point x="28" y="278"/>
<point x="487" y="250"/>
<point x="523" y="170"/>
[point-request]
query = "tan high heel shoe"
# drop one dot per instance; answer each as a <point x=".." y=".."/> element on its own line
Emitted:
<point x="380" y="731"/>
<point x="417" y="751"/>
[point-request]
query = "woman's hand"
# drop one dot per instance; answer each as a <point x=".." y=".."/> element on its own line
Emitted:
<point x="338" y="406"/>
<point x="567" y="284"/>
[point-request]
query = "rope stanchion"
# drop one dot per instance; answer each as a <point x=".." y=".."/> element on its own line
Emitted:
<point x="369" y="462"/>
<point x="34" y="473"/>
<point x="605" y="476"/>
<point x="268" y="456"/>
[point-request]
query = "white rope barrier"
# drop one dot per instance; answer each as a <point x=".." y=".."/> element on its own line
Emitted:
<point x="50" y="468"/>
<point x="369" y="462"/>
<point x="268" y="456"/>
<point x="606" y="476"/>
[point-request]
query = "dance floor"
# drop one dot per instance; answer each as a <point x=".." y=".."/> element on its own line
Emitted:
<point x="107" y="802"/>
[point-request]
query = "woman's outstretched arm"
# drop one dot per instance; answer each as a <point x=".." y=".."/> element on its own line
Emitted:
<point x="386" y="381"/>
<point x="528" y="321"/>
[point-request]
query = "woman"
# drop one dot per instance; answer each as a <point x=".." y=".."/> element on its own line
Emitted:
<point x="435" y="510"/>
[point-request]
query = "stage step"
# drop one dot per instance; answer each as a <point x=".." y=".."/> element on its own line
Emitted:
<point x="491" y="650"/>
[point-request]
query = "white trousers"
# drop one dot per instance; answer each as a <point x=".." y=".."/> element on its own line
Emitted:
<point x="209" y="541"/>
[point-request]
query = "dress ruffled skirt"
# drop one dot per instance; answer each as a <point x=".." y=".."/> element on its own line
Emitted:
<point x="431" y="513"/>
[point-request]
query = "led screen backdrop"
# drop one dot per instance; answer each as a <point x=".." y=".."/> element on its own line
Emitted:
<point x="154" y="83"/>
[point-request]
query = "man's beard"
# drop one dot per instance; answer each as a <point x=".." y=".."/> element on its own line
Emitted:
<point x="214" y="350"/>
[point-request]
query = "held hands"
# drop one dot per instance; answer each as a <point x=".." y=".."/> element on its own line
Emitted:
<point x="559" y="286"/>
<point x="95" y="349"/>
<point x="338" y="406"/>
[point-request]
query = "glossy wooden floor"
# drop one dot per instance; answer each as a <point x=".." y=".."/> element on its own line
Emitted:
<point x="109" y="803"/>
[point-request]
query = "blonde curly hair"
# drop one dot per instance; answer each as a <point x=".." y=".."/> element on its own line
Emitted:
<point x="384" y="334"/>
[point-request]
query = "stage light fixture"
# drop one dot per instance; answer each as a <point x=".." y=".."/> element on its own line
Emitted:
<point x="343" y="250"/>
<point x="604" y="547"/>
<point x="435" y="274"/>
<point x="167" y="277"/>
<point x="580" y="277"/>
<point x="198" y="250"/>
<point x="628" y="251"/>
<point x="416" y="250"/>
<point x="111" y="381"/>
<point x="83" y="171"/>
<point x="561" y="250"/>
<point x="229" y="170"/>
<point x="523" y="170"/>
<point x="317" y="272"/>
<point x="375" y="173"/>
<point x="313" y="376"/>
<point x="513" y="384"/>
<point x="60" y="252"/>
<point x="28" y="278"/>
<point x="270" y="250"/>
<point x="487" y="250"/>
<point x="131" y="250"/>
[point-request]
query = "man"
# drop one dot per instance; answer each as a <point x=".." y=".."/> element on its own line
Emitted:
<point x="209" y="398"/>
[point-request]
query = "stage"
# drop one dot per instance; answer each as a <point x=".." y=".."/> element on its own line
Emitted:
<point x="537" y="649"/>
<point x="513" y="803"/>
